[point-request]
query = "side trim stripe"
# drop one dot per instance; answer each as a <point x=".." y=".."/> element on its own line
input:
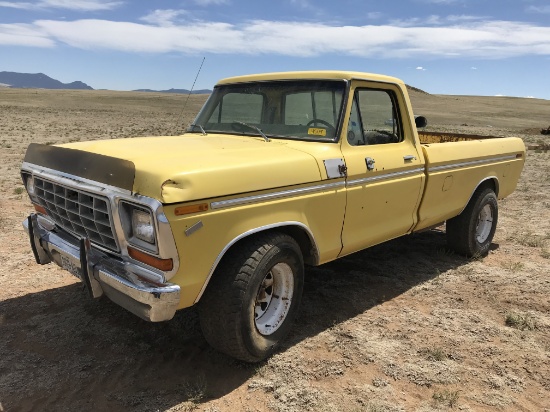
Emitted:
<point x="472" y="163"/>
<point x="386" y="176"/>
<point x="330" y="186"/>
<point x="275" y="195"/>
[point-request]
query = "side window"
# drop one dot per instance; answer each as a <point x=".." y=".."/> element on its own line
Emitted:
<point x="241" y="107"/>
<point x="376" y="112"/>
<point x="355" y="130"/>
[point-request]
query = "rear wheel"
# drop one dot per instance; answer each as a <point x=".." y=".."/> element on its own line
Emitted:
<point x="471" y="232"/>
<point x="253" y="297"/>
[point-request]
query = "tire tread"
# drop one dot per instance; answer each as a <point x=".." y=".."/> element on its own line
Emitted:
<point x="221" y="304"/>
<point x="459" y="229"/>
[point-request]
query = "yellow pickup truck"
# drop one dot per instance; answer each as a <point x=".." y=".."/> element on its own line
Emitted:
<point x="277" y="171"/>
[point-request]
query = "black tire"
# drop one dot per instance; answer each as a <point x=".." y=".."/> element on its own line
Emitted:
<point x="239" y="299"/>
<point x="471" y="232"/>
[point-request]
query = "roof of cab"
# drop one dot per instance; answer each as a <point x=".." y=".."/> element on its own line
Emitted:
<point x="312" y="75"/>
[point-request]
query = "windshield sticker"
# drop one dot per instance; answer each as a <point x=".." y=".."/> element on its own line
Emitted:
<point x="314" y="131"/>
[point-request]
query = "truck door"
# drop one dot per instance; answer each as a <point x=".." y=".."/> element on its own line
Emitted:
<point x="385" y="172"/>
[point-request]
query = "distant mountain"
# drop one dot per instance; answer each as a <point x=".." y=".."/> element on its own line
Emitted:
<point x="416" y="89"/>
<point x="181" y="91"/>
<point x="38" y="81"/>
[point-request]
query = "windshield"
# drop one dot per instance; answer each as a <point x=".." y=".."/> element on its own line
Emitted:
<point x="305" y="109"/>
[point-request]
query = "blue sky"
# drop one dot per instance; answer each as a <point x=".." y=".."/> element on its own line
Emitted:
<point x="476" y="47"/>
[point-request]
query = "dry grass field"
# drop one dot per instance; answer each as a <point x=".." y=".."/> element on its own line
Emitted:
<point x="404" y="326"/>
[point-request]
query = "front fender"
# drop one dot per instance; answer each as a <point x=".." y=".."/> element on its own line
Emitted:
<point x="319" y="214"/>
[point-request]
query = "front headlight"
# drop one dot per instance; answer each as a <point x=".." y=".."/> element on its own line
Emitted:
<point x="143" y="226"/>
<point x="139" y="227"/>
<point x="30" y="185"/>
<point x="28" y="181"/>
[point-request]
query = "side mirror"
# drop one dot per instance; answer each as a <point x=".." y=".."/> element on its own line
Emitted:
<point x="420" y="121"/>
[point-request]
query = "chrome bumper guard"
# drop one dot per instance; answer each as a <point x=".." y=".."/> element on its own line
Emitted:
<point x="103" y="274"/>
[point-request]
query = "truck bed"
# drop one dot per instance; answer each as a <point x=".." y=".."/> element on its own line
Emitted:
<point x="455" y="169"/>
<point x="444" y="137"/>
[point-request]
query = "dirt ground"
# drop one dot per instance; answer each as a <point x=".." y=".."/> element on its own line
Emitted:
<point x="404" y="326"/>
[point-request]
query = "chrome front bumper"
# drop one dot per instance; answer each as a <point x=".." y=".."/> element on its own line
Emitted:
<point x="103" y="274"/>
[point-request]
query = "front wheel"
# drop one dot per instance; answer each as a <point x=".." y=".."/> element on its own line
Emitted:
<point x="471" y="232"/>
<point x="253" y="297"/>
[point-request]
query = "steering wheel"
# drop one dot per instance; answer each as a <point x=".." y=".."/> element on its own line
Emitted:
<point x="321" y="121"/>
<point x="380" y="137"/>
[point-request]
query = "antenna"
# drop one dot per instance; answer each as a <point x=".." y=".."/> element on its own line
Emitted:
<point x="189" y="95"/>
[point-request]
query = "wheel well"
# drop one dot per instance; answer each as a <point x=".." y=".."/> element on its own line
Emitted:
<point x="489" y="183"/>
<point x="307" y="246"/>
<point x="299" y="234"/>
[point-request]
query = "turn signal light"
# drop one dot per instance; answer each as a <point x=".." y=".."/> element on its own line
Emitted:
<point x="165" y="265"/>
<point x="40" y="209"/>
<point x="185" y="210"/>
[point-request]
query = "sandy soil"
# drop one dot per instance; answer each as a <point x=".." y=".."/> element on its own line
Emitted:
<point x="404" y="326"/>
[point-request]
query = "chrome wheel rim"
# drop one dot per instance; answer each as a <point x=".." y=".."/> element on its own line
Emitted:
<point x="484" y="224"/>
<point x="274" y="299"/>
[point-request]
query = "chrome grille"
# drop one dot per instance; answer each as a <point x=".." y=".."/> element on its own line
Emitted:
<point x="78" y="212"/>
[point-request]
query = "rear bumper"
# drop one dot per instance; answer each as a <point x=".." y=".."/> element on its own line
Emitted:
<point x="103" y="274"/>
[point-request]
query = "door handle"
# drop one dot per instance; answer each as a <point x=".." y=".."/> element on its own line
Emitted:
<point x="370" y="163"/>
<point x="409" y="158"/>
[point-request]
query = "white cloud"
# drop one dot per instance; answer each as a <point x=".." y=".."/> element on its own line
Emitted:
<point x="134" y="37"/>
<point x="445" y="2"/>
<point x="473" y="68"/>
<point x="462" y="17"/>
<point x="435" y="20"/>
<point x="304" y="4"/>
<point x="163" y="17"/>
<point x="20" y="5"/>
<point x="84" y="5"/>
<point x="24" y="35"/>
<point x="209" y="2"/>
<point x="487" y="39"/>
<point x="422" y="69"/>
<point x="81" y="5"/>
<point x="539" y="9"/>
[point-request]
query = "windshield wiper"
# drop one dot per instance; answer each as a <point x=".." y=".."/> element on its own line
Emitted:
<point x="200" y="127"/>
<point x="255" y="128"/>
